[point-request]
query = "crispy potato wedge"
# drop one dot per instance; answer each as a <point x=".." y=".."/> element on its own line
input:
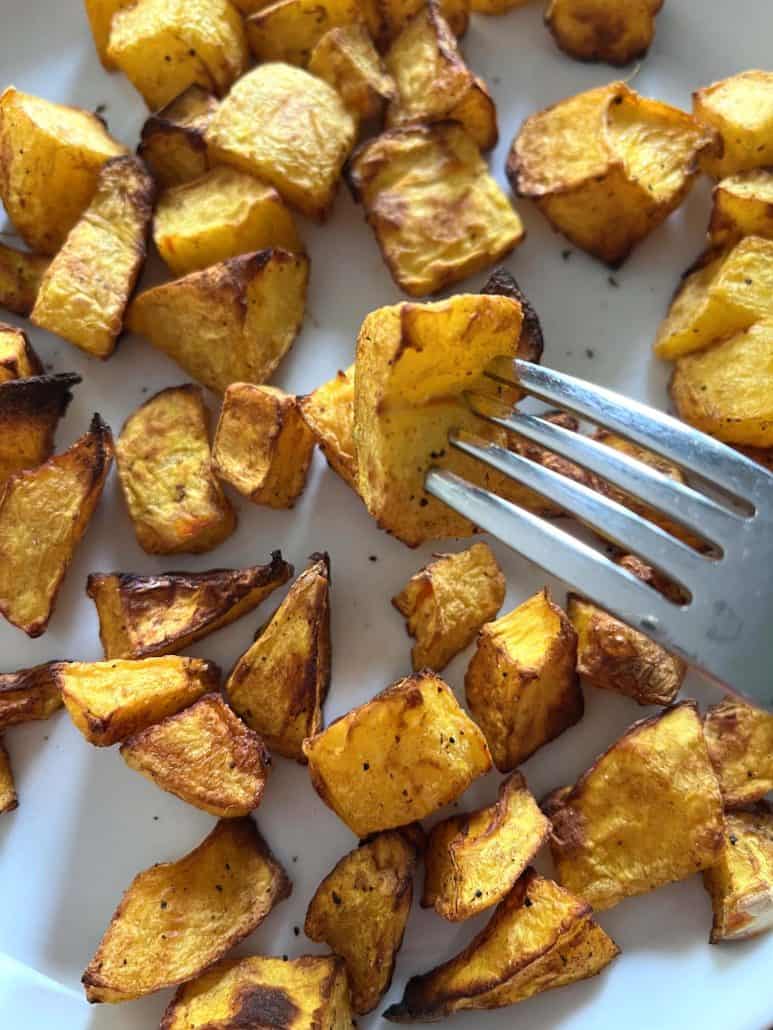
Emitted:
<point x="360" y="910"/>
<point x="329" y="413"/>
<point x="110" y="701"/>
<point x="522" y="687"/>
<point x="660" y="770"/>
<point x="85" y="290"/>
<point x="20" y="276"/>
<point x="447" y="602"/>
<point x="437" y="214"/>
<point x="8" y="798"/>
<point x="310" y="991"/>
<point x="743" y="206"/>
<point x="397" y="758"/>
<point x="473" y="860"/>
<point x="606" y="167"/>
<point x="347" y="60"/>
<point x="279" y="684"/>
<point x="538" y="938"/>
<point x="29" y="694"/>
<point x="288" y="30"/>
<point x="18" y="359"/>
<point x="741" y="883"/>
<point x="204" y="755"/>
<point x="603" y="30"/>
<point x="175" y="503"/>
<point x="165" y="46"/>
<point x="177" y="918"/>
<point x="740" y="742"/>
<point x="100" y="14"/>
<point x="741" y="110"/>
<point x="258" y="125"/>
<point x="386" y="18"/>
<point x="51" y="157"/>
<point x="44" y="513"/>
<point x="30" y="410"/>
<point x="231" y="323"/>
<point x="172" y="141"/>
<point x="143" y="616"/>
<point x="262" y="445"/>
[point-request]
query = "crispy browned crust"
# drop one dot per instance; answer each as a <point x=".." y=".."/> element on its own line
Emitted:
<point x="46" y="396"/>
<point x="29" y="694"/>
<point x="10" y="364"/>
<point x="653" y="578"/>
<point x="20" y="277"/>
<point x="531" y="343"/>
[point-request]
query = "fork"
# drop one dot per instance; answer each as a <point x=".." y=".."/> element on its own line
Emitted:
<point x="724" y="623"/>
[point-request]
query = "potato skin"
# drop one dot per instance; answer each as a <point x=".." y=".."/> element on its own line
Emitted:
<point x="603" y="30"/>
<point x="740" y="108"/>
<point x="740" y="742"/>
<point x="29" y="694"/>
<point x="172" y="140"/>
<point x="531" y="343"/>
<point x="30" y="410"/>
<point x="20" y="277"/>
<point x="741" y="883"/>
<point x="8" y="798"/>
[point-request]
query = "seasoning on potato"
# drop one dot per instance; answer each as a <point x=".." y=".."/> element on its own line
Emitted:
<point x="29" y="694"/>
<point x="288" y="30"/>
<point x="740" y="742"/>
<point x="8" y="797"/>
<point x="20" y="276"/>
<point x="30" y="410"/>
<point x="603" y="30"/>
<point x="177" y="918"/>
<point x="740" y="108"/>
<point x="347" y="60"/>
<point x="329" y="413"/>
<point x="743" y="206"/>
<point x="172" y="140"/>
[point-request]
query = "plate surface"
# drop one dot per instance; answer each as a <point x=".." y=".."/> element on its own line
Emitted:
<point x="86" y="823"/>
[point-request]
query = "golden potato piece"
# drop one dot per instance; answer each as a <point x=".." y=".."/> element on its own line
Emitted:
<point x="347" y="60"/>
<point x="603" y="30"/>
<point x="288" y="30"/>
<point x="175" y="503"/>
<point x="606" y="167"/>
<point x="20" y="275"/>
<point x="29" y="694"/>
<point x="8" y="799"/>
<point x="100" y="14"/>
<point x="177" y="918"/>
<point x="743" y="206"/>
<point x="329" y="413"/>
<point x="231" y="323"/>
<point x="143" y="616"/>
<point x="437" y="213"/>
<point x="18" y="359"/>
<point x="262" y="445"/>
<point x="360" y="910"/>
<point x="521" y="684"/>
<point x="447" y="602"/>
<point x="279" y="684"/>
<point x="172" y="141"/>
<point x="44" y="513"/>
<point x="660" y="770"/>
<point x="310" y="991"/>
<point x="30" y="410"/>
<point x="51" y="157"/>
<point x="386" y="18"/>
<point x="85" y="290"/>
<point x="259" y="124"/>
<point x="741" y="110"/>
<point x="397" y="758"/>
<point x="204" y="755"/>
<point x="165" y="46"/>
<point x="472" y="861"/>
<point x="740" y="742"/>
<point x="538" y="938"/>
<point x="741" y="883"/>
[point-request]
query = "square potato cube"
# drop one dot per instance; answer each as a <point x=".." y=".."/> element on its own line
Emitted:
<point x="743" y="206"/>
<point x="8" y="799"/>
<point x="20" y="276"/>
<point x="100" y="14"/>
<point x="603" y="30"/>
<point x="741" y="883"/>
<point x="288" y="30"/>
<point x="741" y="110"/>
<point x="172" y="140"/>
<point x="329" y="414"/>
<point x="18" y="360"/>
<point x="740" y="742"/>
<point x="346" y="58"/>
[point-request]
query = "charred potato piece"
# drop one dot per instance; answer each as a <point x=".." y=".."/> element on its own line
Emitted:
<point x="347" y="60"/>
<point x="740" y="742"/>
<point x="8" y="799"/>
<point x="177" y="918"/>
<point x="386" y="18"/>
<point x="279" y="684"/>
<point x="51" y="157"/>
<point x="606" y="167"/>
<point x="397" y="758"/>
<point x="538" y="938"/>
<point x="85" y="290"/>
<point x="521" y="684"/>
<point x="258" y="125"/>
<point x="603" y="30"/>
<point x="360" y="910"/>
<point x="175" y="503"/>
<point x="29" y="694"/>
<point x="262" y="445"/>
<point x="172" y="141"/>
<point x="472" y="861"/>
<point x="20" y="276"/>
<point x="30" y="410"/>
<point x="110" y="701"/>
<point x="44" y="513"/>
<point x="100" y="14"/>
<point x="660" y="770"/>
<point x="233" y="322"/>
<point x="741" y="110"/>
<point x="447" y="602"/>
<point x="427" y="191"/>
<point x="288" y="30"/>
<point x="743" y="206"/>
<point x="329" y="413"/>
<point x="18" y="360"/>
<point x="741" y="883"/>
<point x="143" y="616"/>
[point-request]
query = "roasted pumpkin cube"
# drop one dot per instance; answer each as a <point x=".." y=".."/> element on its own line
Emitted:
<point x="29" y="694"/>
<point x="603" y="30"/>
<point x="18" y="359"/>
<point x="8" y="798"/>
<point x="740" y="742"/>
<point x="741" y="110"/>
<point x="20" y="276"/>
<point x="329" y="413"/>
<point x="30" y="410"/>
<point x="346" y="59"/>
<point x="172" y="141"/>
<point x="741" y="883"/>
<point x="288" y="30"/>
<point x="100" y="14"/>
<point x="743" y="206"/>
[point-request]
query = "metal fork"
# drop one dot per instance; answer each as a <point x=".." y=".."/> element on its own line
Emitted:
<point x="725" y="629"/>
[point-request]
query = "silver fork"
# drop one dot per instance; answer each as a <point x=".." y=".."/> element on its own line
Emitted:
<point x="725" y="628"/>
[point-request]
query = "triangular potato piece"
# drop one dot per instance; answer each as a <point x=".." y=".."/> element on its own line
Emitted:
<point x="741" y="883"/>
<point x="29" y="694"/>
<point x="30" y="410"/>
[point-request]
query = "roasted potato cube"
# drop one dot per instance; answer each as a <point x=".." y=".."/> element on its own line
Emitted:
<point x="20" y="275"/>
<point x="298" y="993"/>
<point x="447" y="602"/>
<point x="603" y="30"/>
<point x="143" y="616"/>
<point x="86" y="288"/>
<point x="262" y="445"/>
<point x="233" y="322"/>
<point x="437" y="213"/>
<point x="606" y="167"/>
<point x="279" y="684"/>
<point x="172" y="142"/>
<point x="288" y="30"/>
<point x="258" y="125"/>
<point x="741" y="883"/>
<point x="521" y="684"/>
<point x="360" y="910"/>
<point x="204" y="755"/>
<point x="30" y="410"/>
<point x="660" y="770"/>
<point x="347" y="60"/>
<point x="329" y="414"/>
<point x="538" y="938"/>
<point x="743" y="206"/>
<point x="29" y="694"/>
<point x="51" y="157"/>
<point x="386" y="18"/>
<point x="177" y="918"/>
<point x="741" y="110"/>
<point x="740" y="742"/>
<point x="165" y="46"/>
<point x="100" y="14"/>
<point x="473" y="860"/>
<point x="18" y="359"/>
<point x="44" y="513"/>
<point x="8" y="799"/>
<point x="397" y="758"/>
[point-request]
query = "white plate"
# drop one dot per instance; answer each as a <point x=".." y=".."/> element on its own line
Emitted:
<point x="86" y="824"/>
